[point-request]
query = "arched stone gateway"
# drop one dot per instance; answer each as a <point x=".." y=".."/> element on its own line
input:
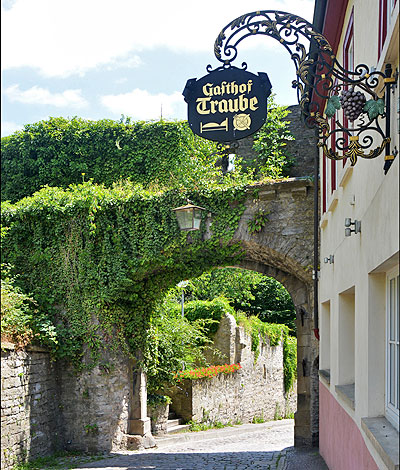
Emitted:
<point x="283" y="249"/>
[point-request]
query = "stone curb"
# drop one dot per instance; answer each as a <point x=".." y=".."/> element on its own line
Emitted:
<point x="219" y="433"/>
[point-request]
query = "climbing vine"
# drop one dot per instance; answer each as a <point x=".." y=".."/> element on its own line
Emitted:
<point x="97" y="260"/>
<point x="97" y="245"/>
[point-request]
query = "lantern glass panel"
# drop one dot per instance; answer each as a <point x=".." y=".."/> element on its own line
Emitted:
<point x="185" y="218"/>
<point x="196" y="219"/>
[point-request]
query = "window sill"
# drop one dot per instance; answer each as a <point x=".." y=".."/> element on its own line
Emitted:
<point x="385" y="438"/>
<point x="324" y="220"/>
<point x="347" y="393"/>
<point x="325" y="375"/>
<point x="334" y="199"/>
<point x="346" y="174"/>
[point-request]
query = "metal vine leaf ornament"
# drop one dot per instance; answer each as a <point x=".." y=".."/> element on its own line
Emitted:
<point x="347" y="107"/>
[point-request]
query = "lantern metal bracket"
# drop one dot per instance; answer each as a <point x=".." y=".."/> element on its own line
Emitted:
<point x="320" y="79"/>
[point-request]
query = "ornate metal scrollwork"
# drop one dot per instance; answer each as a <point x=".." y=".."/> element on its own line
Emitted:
<point x="347" y="107"/>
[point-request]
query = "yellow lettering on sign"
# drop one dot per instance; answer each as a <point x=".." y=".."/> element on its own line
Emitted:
<point x="253" y="102"/>
<point x="223" y="106"/>
<point x="207" y="105"/>
<point x="207" y="89"/>
<point x="202" y="105"/>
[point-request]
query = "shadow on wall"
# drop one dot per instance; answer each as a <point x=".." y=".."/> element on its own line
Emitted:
<point x="46" y="406"/>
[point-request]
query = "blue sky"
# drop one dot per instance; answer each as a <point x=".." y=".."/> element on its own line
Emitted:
<point x="99" y="59"/>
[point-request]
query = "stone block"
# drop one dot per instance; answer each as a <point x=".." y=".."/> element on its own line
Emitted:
<point x="135" y="442"/>
<point x="139" y="427"/>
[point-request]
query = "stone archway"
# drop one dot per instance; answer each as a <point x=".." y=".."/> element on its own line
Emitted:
<point x="284" y="250"/>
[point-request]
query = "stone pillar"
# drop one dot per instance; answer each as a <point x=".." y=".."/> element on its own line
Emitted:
<point x="306" y="430"/>
<point x="139" y="426"/>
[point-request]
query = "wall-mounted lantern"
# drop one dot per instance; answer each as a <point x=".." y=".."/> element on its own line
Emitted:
<point x="189" y="217"/>
<point x="348" y="223"/>
<point x="330" y="259"/>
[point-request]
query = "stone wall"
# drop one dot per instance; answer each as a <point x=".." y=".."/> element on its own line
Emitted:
<point x="29" y="405"/>
<point x="255" y="391"/>
<point x="302" y="149"/>
<point x="47" y="406"/>
<point x="95" y="405"/>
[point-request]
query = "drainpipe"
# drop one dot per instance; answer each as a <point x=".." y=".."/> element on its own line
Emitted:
<point x="316" y="229"/>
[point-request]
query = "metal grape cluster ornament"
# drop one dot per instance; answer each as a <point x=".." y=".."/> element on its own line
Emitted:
<point x="348" y="107"/>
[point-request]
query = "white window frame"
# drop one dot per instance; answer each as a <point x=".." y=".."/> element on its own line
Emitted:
<point x="392" y="410"/>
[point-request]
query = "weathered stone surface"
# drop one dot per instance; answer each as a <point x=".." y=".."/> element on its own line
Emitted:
<point x="23" y="376"/>
<point x="54" y="407"/>
<point x="137" y="442"/>
<point x="158" y="414"/>
<point x="255" y="391"/>
<point x="302" y="150"/>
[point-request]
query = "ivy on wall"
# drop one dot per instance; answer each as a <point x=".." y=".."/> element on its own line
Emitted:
<point x="98" y="259"/>
<point x="99" y="254"/>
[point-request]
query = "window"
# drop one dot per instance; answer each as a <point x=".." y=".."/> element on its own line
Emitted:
<point x="385" y="11"/>
<point x="324" y="183"/>
<point x="348" y="59"/>
<point x="334" y="136"/>
<point x="392" y="348"/>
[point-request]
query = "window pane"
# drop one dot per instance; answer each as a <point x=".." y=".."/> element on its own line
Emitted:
<point x="397" y="308"/>
<point x="392" y="292"/>
<point x="396" y="379"/>
<point x="392" y="378"/>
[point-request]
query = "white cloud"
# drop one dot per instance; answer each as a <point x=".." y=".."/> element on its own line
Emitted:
<point x="125" y="62"/>
<point x="65" y="37"/>
<point x="40" y="96"/>
<point x="140" y="104"/>
<point x="9" y="127"/>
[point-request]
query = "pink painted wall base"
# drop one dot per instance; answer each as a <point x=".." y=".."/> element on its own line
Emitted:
<point x="340" y="441"/>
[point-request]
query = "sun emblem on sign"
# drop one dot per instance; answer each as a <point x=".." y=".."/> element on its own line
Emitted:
<point x="241" y="122"/>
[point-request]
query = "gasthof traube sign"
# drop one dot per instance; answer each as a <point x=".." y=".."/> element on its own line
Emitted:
<point x="227" y="104"/>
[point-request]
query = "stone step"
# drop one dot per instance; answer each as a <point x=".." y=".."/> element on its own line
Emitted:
<point x="178" y="428"/>
<point x="172" y="415"/>
<point x="173" y="422"/>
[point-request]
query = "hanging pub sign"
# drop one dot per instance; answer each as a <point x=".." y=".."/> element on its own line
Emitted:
<point x="227" y="104"/>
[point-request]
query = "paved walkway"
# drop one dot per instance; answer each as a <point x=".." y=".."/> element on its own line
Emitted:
<point x="267" y="446"/>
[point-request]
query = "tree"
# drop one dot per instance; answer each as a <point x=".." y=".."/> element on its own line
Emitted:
<point x="273" y="160"/>
<point x="248" y="291"/>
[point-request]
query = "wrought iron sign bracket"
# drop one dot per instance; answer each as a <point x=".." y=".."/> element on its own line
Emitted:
<point x="350" y="108"/>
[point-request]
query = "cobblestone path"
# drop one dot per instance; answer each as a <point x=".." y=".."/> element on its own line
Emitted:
<point x="247" y="447"/>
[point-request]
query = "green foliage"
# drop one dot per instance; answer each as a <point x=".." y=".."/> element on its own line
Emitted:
<point x="61" y="460"/>
<point x="289" y="362"/>
<point x="270" y="142"/>
<point x="272" y="303"/>
<point x="91" y="428"/>
<point x="176" y="344"/>
<point x="274" y="333"/>
<point x="154" y="399"/>
<point x="257" y="223"/>
<point x="99" y="260"/>
<point x="60" y="151"/>
<point x="258" y="419"/>
<point x="196" y="426"/>
<point x="247" y="291"/>
<point x="210" y="311"/>
<point x="21" y="321"/>
<point x="234" y="284"/>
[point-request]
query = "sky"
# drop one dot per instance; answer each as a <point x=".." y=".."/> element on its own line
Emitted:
<point x="101" y="59"/>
